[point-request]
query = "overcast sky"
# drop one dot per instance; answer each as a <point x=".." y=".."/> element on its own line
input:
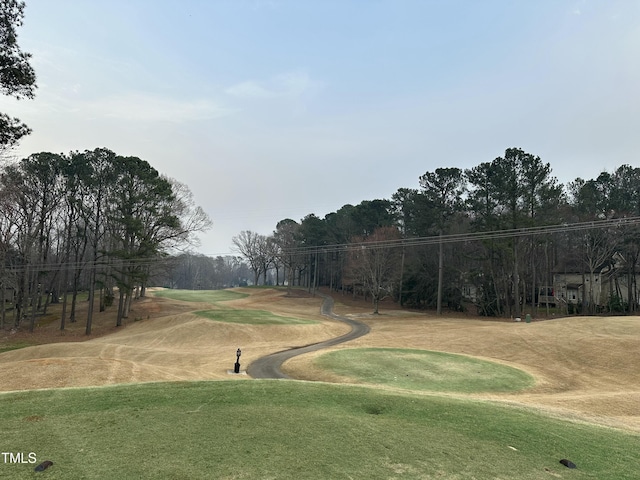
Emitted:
<point x="272" y="109"/>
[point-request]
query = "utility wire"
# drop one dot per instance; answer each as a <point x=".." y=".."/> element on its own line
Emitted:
<point x="118" y="264"/>
<point x="466" y="237"/>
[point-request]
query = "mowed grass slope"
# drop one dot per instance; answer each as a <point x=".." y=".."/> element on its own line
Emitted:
<point x="424" y="370"/>
<point x="231" y="315"/>
<point x="252" y="317"/>
<point x="297" y="430"/>
<point x="210" y="296"/>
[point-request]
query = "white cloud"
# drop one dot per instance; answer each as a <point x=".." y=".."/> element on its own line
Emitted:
<point x="250" y="89"/>
<point x="292" y="84"/>
<point x="296" y="83"/>
<point x="144" y="107"/>
<point x="578" y="7"/>
<point x="127" y="107"/>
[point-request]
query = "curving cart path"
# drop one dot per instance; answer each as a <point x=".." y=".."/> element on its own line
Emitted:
<point x="269" y="366"/>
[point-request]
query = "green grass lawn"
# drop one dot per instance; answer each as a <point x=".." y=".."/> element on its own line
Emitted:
<point x="255" y="317"/>
<point x="210" y="296"/>
<point x="15" y="346"/>
<point x="296" y="430"/>
<point x="424" y="370"/>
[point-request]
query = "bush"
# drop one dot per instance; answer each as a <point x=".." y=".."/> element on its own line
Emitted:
<point x="108" y="298"/>
<point x="617" y="304"/>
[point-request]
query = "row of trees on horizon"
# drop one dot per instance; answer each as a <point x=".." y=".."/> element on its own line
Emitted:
<point x="92" y="221"/>
<point x="193" y="271"/>
<point x="365" y="249"/>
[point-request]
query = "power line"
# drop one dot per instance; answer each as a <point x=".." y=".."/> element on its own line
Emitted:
<point x="471" y="236"/>
<point x="119" y="264"/>
<point x="114" y="266"/>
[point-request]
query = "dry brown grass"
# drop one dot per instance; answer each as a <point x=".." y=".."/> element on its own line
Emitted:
<point x="586" y="367"/>
<point x="169" y="343"/>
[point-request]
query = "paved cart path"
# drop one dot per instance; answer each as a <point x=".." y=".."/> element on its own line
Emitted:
<point x="269" y="366"/>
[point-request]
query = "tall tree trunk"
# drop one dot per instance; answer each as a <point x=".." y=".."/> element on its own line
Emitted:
<point x="534" y="305"/>
<point x="63" y="316"/>
<point x="65" y="295"/>
<point x="401" y="276"/>
<point x="21" y="297"/>
<point x="120" y="306"/>
<point x="74" y="300"/>
<point x="92" y="293"/>
<point x="548" y="274"/>
<point x="101" y="307"/>
<point x="4" y="305"/>
<point x="127" y="303"/>
<point x="440" y="275"/>
<point x="634" y="298"/>
<point x="494" y="280"/>
<point x="315" y="273"/>
<point x="35" y="293"/>
<point x="516" y="279"/>
<point x="584" y="294"/>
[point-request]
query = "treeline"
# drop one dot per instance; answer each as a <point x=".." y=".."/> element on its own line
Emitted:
<point x="199" y="272"/>
<point x="443" y="245"/>
<point x="92" y="221"/>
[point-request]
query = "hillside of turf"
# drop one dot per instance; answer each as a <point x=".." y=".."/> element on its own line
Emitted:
<point x="293" y="430"/>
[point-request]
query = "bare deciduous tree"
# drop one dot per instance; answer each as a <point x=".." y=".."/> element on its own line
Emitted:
<point x="249" y="245"/>
<point x="375" y="264"/>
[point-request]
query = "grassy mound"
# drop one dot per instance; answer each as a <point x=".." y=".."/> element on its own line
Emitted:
<point x="293" y="430"/>
<point x="210" y="296"/>
<point x="424" y="370"/>
<point x="254" y="317"/>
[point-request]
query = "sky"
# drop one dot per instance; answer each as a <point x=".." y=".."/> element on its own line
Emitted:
<point x="271" y="109"/>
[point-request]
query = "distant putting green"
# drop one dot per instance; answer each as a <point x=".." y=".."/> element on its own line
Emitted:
<point x="424" y="370"/>
<point x="296" y="430"/>
<point x="209" y="296"/>
<point x="254" y="317"/>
